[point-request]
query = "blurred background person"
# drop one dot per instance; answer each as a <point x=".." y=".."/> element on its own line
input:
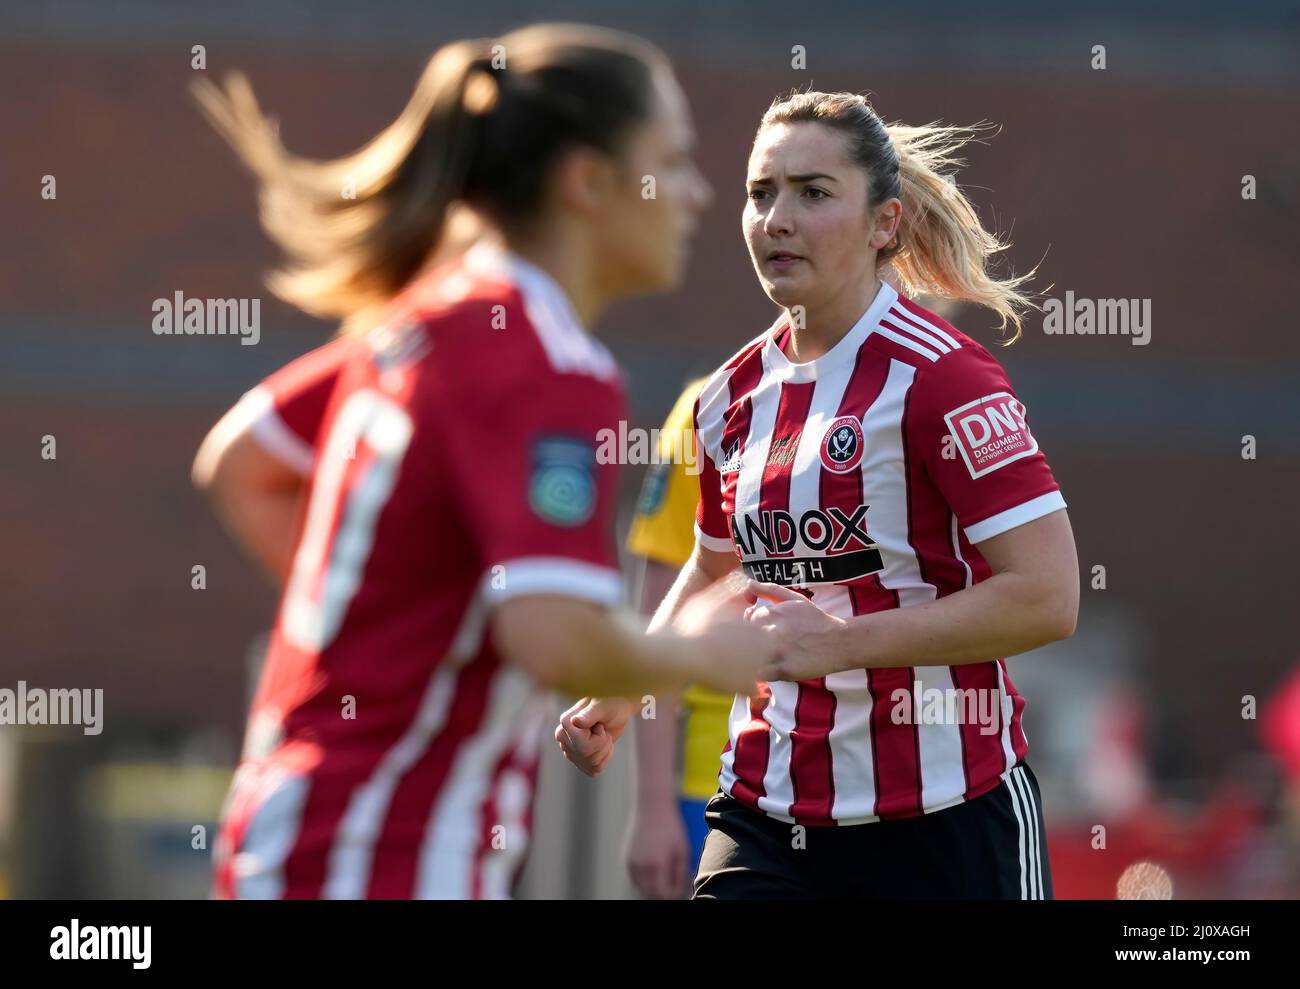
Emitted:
<point x="678" y="750"/>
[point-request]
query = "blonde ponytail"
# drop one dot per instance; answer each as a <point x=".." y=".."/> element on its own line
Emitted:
<point x="942" y="247"/>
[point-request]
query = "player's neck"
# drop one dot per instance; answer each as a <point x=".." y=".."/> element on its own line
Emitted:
<point x="566" y="261"/>
<point x="819" y="328"/>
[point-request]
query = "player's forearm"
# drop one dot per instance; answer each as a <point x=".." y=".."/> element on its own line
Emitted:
<point x="656" y="747"/>
<point x="656" y="737"/>
<point x="254" y="494"/>
<point x="588" y="651"/>
<point x="263" y="523"/>
<point x="608" y="655"/>
<point x="1007" y="614"/>
<point x="691" y="580"/>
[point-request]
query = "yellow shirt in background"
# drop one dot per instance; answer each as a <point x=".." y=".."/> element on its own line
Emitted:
<point x="664" y="530"/>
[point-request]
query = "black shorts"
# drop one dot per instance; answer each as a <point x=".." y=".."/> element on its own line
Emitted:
<point x="991" y="848"/>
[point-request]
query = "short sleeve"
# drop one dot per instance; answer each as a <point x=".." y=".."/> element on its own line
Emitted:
<point x="972" y="432"/>
<point x="535" y="467"/>
<point x="711" y="530"/>
<point x="287" y="409"/>
<point x="662" y="528"/>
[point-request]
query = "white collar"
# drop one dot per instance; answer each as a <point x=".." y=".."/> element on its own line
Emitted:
<point x="490" y="258"/>
<point x="567" y="342"/>
<point x="845" y="349"/>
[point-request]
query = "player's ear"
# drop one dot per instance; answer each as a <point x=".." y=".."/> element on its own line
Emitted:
<point x="583" y="180"/>
<point x="887" y="219"/>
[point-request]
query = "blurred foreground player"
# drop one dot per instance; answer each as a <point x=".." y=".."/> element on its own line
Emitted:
<point x="456" y="550"/>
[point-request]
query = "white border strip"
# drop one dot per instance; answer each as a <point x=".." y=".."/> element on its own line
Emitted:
<point x="1034" y="508"/>
<point x="902" y="312"/>
<point x="712" y="542"/>
<point x="908" y="342"/>
<point x="272" y="435"/>
<point x="897" y="324"/>
<point x="554" y="575"/>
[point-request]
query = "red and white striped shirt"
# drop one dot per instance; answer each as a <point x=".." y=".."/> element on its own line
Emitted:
<point x="867" y="477"/>
<point x="390" y="752"/>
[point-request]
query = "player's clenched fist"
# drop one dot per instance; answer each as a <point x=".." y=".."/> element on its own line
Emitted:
<point x="588" y="730"/>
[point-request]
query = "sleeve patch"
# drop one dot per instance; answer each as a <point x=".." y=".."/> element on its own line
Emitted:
<point x="654" y="488"/>
<point x="991" y="432"/>
<point x="562" y="489"/>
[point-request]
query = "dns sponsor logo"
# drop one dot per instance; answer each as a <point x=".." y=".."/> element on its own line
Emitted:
<point x="991" y="432"/>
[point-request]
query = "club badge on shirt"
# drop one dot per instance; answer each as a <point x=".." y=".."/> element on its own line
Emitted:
<point x="562" y="489"/>
<point x="842" y="445"/>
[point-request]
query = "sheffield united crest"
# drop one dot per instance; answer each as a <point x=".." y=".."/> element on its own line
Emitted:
<point x="842" y="445"/>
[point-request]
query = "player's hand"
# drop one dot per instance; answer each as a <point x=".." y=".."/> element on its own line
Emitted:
<point x="657" y="850"/>
<point x="803" y="636"/>
<point x="721" y="603"/>
<point x="588" y="730"/>
<point x="735" y="651"/>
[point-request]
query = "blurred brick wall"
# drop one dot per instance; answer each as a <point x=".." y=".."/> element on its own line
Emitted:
<point x="1117" y="188"/>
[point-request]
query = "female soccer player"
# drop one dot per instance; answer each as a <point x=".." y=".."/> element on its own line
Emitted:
<point x="456" y="547"/>
<point x="872" y="471"/>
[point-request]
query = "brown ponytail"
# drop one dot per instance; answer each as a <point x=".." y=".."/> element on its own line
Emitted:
<point x="483" y="126"/>
<point x="355" y="229"/>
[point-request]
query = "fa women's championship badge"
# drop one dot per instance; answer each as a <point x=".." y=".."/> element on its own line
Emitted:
<point x="842" y="445"/>
<point x="991" y="432"/>
<point x="563" y="486"/>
